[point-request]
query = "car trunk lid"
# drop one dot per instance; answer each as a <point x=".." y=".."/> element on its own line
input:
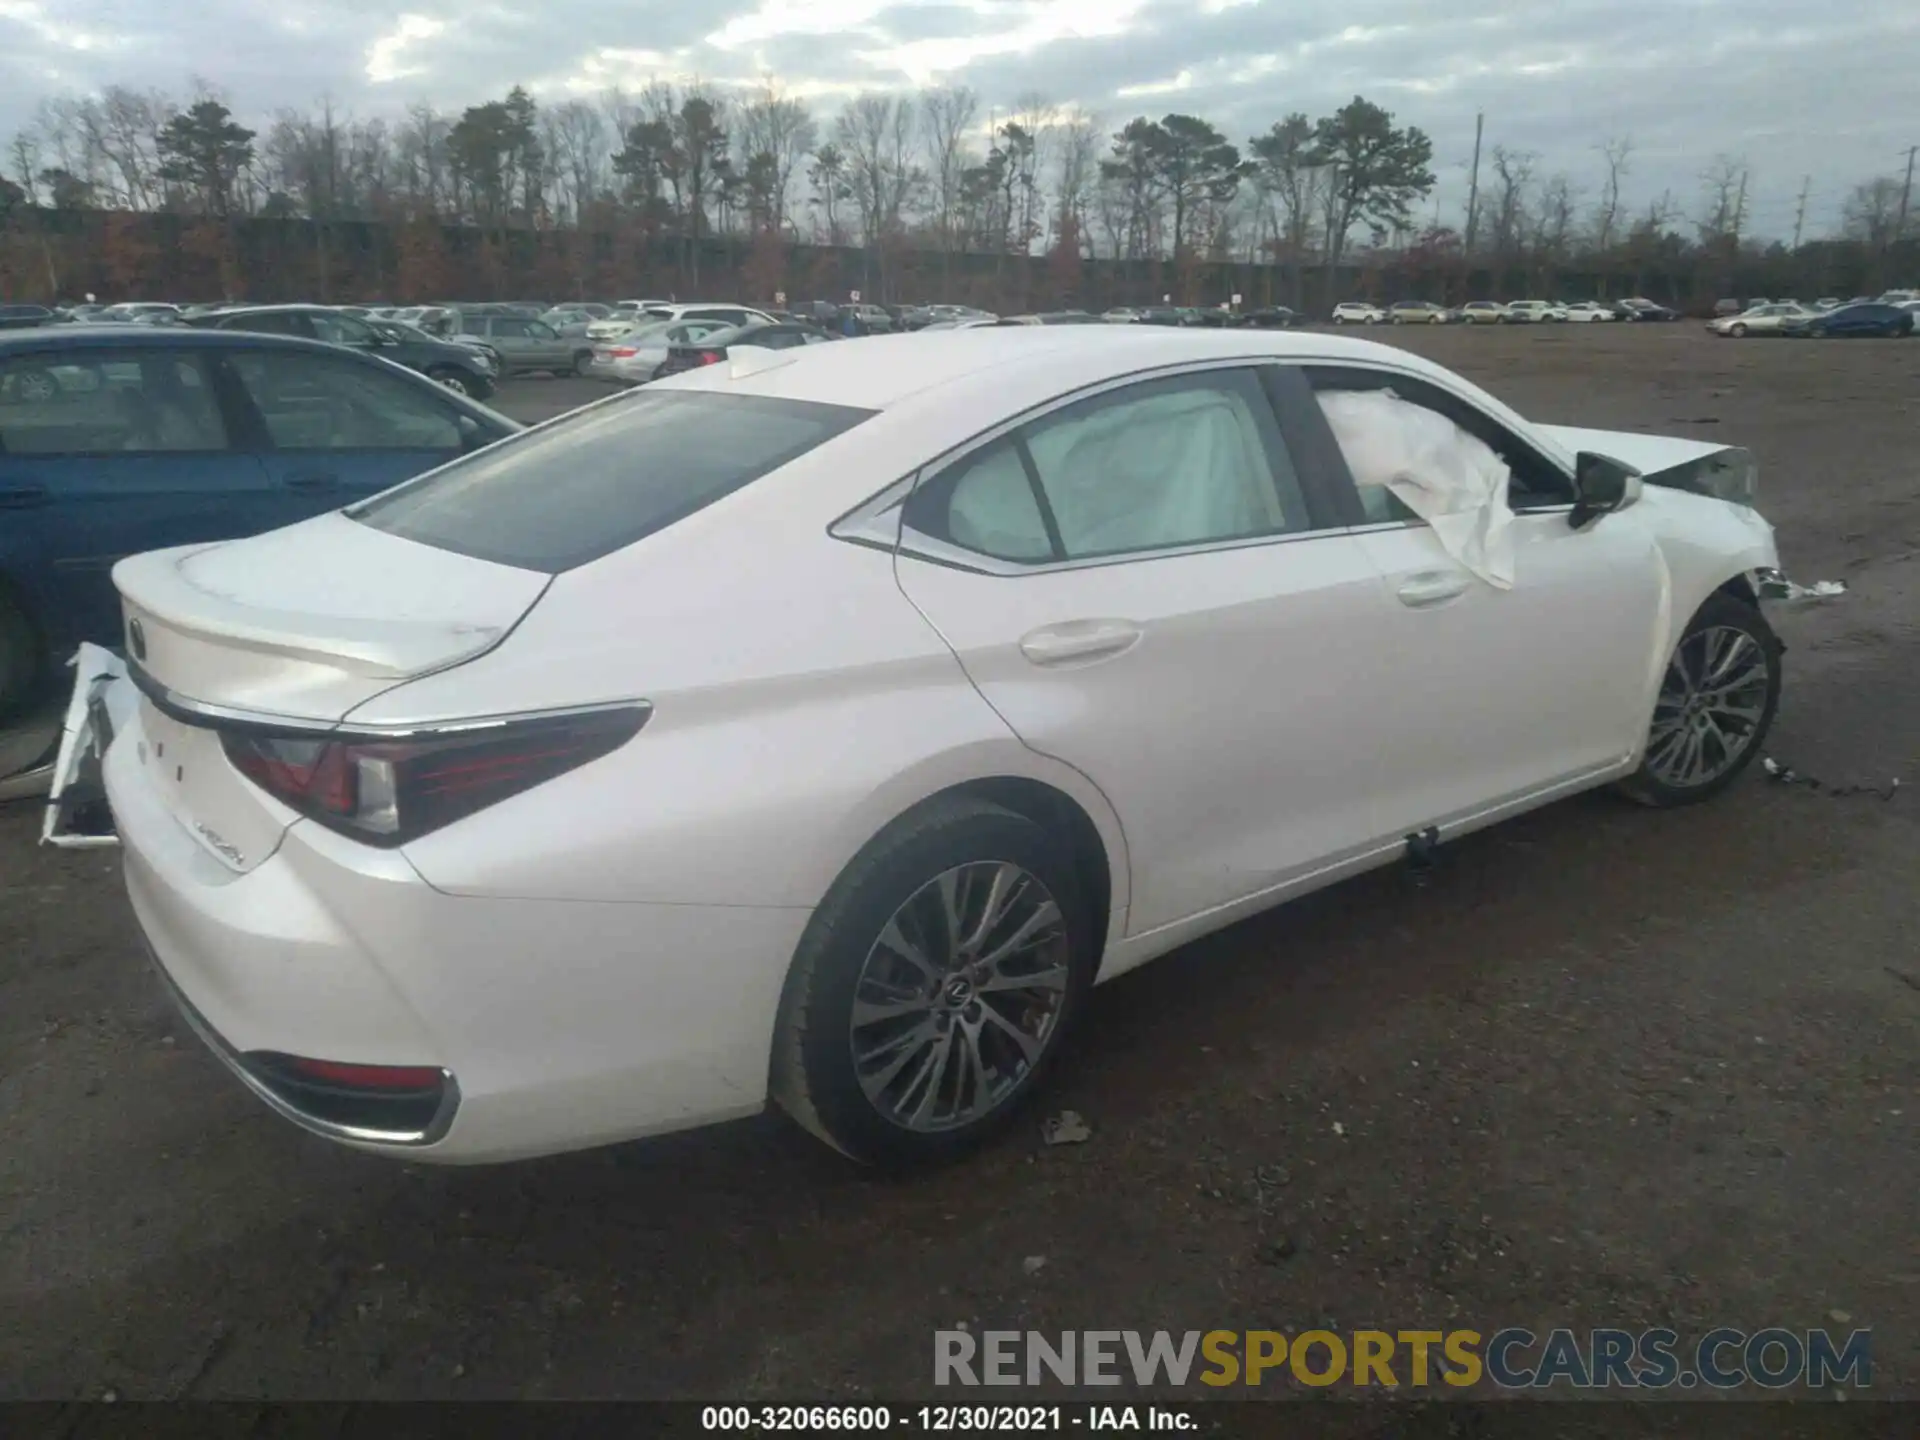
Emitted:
<point x="290" y="629"/>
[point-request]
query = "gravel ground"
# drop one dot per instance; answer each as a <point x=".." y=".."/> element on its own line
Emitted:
<point x="1607" y="1067"/>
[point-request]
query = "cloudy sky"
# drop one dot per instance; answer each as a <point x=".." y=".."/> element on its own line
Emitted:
<point x="1820" y="88"/>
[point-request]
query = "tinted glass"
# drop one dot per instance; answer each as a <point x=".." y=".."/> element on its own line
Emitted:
<point x="311" y="402"/>
<point x="511" y="327"/>
<point x="991" y="508"/>
<point x="339" y="329"/>
<point x="268" y="322"/>
<point x="93" y="402"/>
<point x="595" y="482"/>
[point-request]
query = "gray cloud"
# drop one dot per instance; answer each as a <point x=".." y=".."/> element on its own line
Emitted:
<point x="1797" y="87"/>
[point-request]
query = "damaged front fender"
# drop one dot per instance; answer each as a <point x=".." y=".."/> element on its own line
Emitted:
<point x="1700" y="467"/>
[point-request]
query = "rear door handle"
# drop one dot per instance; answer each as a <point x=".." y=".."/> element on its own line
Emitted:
<point x="313" y="482"/>
<point x="22" y="497"/>
<point x="1432" y="587"/>
<point x="1079" y="640"/>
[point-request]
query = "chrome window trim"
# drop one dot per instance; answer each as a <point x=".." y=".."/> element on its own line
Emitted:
<point x="877" y="522"/>
<point x="205" y="714"/>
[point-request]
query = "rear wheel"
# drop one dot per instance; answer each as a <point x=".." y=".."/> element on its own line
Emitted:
<point x="451" y="378"/>
<point x="583" y="363"/>
<point x="20" y="660"/>
<point x="934" y="987"/>
<point x="1716" y="703"/>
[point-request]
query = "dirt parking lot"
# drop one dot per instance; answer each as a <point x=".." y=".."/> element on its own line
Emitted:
<point x="1607" y="1067"/>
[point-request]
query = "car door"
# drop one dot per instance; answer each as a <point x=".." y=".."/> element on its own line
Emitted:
<point x="1141" y="585"/>
<point x="1505" y="694"/>
<point x="547" y="348"/>
<point x="105" y="453"/>
<point x="334" y="429"/>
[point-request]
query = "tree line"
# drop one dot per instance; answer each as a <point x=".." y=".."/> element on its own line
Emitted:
<point x="692" y="172"/>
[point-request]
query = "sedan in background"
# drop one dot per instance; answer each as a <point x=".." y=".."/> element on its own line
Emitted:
<point x="1856" y="321"/>
<point x="1535" y="312"/>
<point x="26" y="317"/>
<point x="466" y="369"/>
<point x="788" y="729"/>
<point x="1358" y="312"/>
<point x="1272" y="317"/>
<point x="1769" y="319"/>
<point x="1588" y="312"/>
<point x="1418" y="312"/>
<point x="1644" y="309"/>
<point x="714" y="347"/>
<point x="635" y="357"/>
<point x="116" y="439"/>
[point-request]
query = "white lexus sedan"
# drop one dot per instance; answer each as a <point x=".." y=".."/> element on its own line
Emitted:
<point x="820" y="725"/>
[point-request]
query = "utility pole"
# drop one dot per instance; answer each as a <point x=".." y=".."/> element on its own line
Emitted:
<point x="1473" y="186"/>
<point x="1800" y="210"/>
<point x="1906" y="195"/>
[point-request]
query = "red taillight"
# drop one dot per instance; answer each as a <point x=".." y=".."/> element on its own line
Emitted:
<point x="712" y="357"/>
<point x="623" y="352"/>
<point x="387" y="791"/>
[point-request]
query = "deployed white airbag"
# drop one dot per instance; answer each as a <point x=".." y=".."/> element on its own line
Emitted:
<point x="1448" y="478"/>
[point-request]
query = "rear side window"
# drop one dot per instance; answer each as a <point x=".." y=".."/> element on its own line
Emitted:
<point x="592" y="483"/>
<point x="104" y="402"/>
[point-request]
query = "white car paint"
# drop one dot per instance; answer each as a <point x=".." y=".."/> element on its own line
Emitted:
<point x="1355" y="312"/>
<point x="601" y="956"/>
<point x="1586" y="312"/>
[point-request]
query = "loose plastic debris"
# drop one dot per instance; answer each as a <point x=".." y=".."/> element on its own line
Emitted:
<point x="1787" y="775"/>
<point x="1034" y="1264"/>
<point x="1819" y="590"/>
<point x="103" y="701"/>
<point x="1066" y="1128"/>
<point x="1447" y="477"/>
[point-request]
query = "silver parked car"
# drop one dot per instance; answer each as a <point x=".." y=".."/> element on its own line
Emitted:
<point x="525" y="344"/>
<point x="632" y="358"/>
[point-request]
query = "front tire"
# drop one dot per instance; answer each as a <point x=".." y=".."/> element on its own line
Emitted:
<point x="451" y="379"/>
<point x="934" y="987"/>
<point x="1716" y="704"/>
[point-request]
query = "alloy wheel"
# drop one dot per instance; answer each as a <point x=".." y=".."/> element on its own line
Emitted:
<point x="454" y="383"/>
<point x="1712" y="700"/>
<point x="960" y="996"/>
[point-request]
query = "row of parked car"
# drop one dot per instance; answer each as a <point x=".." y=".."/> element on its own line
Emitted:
<point x="1501" y="312"/>
<point x="1893" y="314"/>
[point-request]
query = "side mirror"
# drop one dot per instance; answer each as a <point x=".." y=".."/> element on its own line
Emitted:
<point x="1603" y="485"/>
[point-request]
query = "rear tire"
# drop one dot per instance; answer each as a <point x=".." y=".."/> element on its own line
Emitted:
<point x="583" y="364"/>
<point x="1717" y="700"/>
<point x="22" y="665"/>
<point x="451" y="378"/>
<point x="948" y="1045"/>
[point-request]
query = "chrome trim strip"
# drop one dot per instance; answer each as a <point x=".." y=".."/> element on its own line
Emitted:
<point x="436" y="1129"/>
<point x="202" y="713"/>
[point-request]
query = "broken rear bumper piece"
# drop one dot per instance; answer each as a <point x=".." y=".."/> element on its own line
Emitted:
<point x="103" y="700"/>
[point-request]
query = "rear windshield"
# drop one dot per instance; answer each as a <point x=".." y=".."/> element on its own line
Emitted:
<point x="589" y="484"/>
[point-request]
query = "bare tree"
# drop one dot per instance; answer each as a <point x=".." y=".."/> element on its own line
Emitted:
<point x="575" y="139"/>
<point x="1512" y="177"/>
<point x="947" y="116"/>
<point x="1077" y="150"/>
<point x="1038" y="118"/>
<point x="1617" y="154"/>
<point x="875" y="133"/>
<point x="1871" y="214"/>
<point x="1723" y="201"/>
<point x="776" y="136"/>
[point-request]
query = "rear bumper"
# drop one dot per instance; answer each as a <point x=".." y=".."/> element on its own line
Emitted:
<point x="567" y="1024"/>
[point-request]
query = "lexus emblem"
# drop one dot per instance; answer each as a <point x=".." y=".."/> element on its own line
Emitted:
<point x="137" y="639"/>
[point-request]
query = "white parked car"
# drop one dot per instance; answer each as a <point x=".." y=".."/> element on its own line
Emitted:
<point x="631" y="357"/>
<point x="1589" y="311"/>
<point x="761" y="734"/>
<point x="1357" y="312"/>
<point x="1535" y="311"/>
<point x="1763" y="319"/>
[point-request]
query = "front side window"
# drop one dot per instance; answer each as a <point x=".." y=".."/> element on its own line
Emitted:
<point x="340" y="329"/>
<point x="599" y="480"/>
<point x="93" y="402"/>
<point x="512" y="329"/>
<point x="311" y="401"/>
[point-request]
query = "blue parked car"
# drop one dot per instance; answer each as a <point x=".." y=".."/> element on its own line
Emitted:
<point x="1858" y="319"/>
<point x="117" y="439"/>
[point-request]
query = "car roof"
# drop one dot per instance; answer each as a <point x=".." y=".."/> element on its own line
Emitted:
<point x="885" y="370"/>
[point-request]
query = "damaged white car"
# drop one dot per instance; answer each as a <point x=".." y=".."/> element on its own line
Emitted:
<point x="821" y="725"/>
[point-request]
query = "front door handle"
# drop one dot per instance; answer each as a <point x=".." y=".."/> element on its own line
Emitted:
<point x="22" y="497"/>
<point x="1079" y="640"/>
<point x="1432" y="587"/>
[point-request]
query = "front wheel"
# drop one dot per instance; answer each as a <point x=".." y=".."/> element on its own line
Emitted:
<point x="583" y="364"/>
<point x="1738" y="332"/>
<point x="934" y="987"/>
<point x="452" y="379"/>
<point x="1716" y="703"/>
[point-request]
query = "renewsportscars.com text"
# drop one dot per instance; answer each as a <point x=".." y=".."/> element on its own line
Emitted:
<point x="1511" y="1358"/>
